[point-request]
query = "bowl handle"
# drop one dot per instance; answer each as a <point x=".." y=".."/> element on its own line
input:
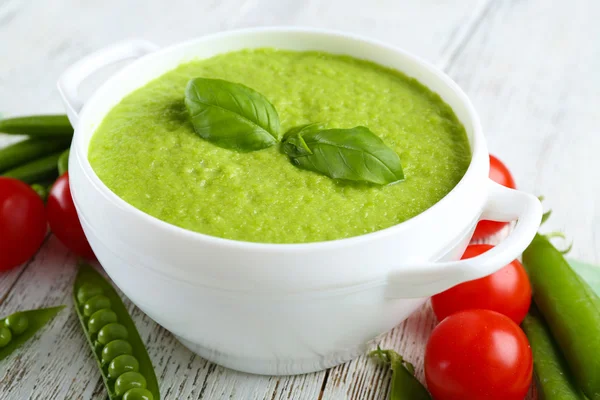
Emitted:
<point x="504" y="205"/>
<point x="69" y="81"/>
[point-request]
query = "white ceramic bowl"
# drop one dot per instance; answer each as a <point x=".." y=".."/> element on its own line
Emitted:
<point x="284" y="308"/>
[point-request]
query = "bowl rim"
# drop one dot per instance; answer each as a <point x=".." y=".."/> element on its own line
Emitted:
<point x="477" y="144"/>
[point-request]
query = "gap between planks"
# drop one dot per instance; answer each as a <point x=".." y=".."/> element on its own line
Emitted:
<point x="465" y="32"/>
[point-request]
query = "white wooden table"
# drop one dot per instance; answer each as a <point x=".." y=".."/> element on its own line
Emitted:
<point x="530" y="66"/>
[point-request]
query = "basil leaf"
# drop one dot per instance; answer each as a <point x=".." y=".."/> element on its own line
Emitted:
<point x="355" y="154"/>
<point x="231" y="115"/>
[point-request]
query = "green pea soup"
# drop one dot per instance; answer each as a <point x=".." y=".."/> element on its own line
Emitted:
<point x="146" y="151"/>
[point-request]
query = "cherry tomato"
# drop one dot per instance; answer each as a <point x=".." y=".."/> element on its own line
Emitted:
<point x="478" y="354"/>
<point x="22" y="223"/>
<point x="63" y="219"/>
<point x="506" y="291"/>
<point x="499" y="174"/>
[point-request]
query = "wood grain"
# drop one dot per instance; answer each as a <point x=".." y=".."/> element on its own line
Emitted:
<point x="531" y="72"/>
<point x="529" y="66"/>
<point x="66" y="30"/>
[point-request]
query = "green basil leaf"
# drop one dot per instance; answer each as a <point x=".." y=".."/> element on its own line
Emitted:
<point x="355" y="154"/>
<point x="231" y="115"/>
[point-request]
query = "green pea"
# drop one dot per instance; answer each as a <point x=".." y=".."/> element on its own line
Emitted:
<point x="101" y="318"/>
<point x="112" y="332"/>
<point x="114" y="340"/>
<point x="115" y="349"/>
<point x="94" y="304"/>
<point x="87" y="291"/>
<point x="138" y="394"/>
<point x="122" y="364"/>
<point x="17" y="322"/>
<point x="129" y="380"/>
<point x="5" y="336"/>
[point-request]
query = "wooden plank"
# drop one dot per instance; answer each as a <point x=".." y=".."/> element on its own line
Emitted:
<point x="9" y="278"/>
<point x="363" y="379"/>
<point x="531" y="72"/>
<point x="46" y="283"/>
<point x="30" y="76"/>
<point x="58" y="363"/>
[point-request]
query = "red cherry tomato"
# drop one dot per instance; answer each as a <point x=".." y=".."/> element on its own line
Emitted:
<point x="506" y="291"/>
<point x="478" y="354"/>
<point x="63" y="219"/>
<point x="22" y="223"/>
<point x="499" y="174"/>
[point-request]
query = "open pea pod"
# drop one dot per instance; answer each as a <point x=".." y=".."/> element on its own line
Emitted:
<point x="121" y="355"/>
<point x="19" y="327"/>
<point x="404" y="386"/>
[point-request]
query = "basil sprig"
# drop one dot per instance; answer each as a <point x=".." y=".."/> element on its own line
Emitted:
<point x="237" y="117"/>
<point x="231" y="115"/>
<point x="355" y="154"/>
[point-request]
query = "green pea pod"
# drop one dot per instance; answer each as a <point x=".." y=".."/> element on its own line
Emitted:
<point x="38" y="170"/>
<point x="41" y="190"/>
<point x="571" y="310"/>
<point x="553" y="377"/>
<point x="404" y="384"/>
<point x="28" y="150"/>
<point x="20" y="327"/>
<point x="38" y="126"/>
<point x="113" y="338"/>
<point x="63" y="162"/>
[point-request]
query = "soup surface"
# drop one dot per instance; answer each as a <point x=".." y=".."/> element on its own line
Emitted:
<point x="147" y="152"/>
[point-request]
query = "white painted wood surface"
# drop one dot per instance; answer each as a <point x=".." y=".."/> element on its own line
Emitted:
<point x="530" y="67"/>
